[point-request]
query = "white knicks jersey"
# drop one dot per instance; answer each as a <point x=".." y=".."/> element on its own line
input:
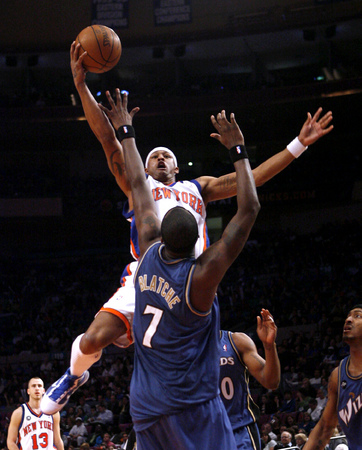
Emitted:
<point x="182" y="193"/>
<point x="36" y="430"/>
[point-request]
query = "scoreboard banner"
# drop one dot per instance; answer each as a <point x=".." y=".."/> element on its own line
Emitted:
<point x="112" y="13"/>
<point x="171" y="12"/>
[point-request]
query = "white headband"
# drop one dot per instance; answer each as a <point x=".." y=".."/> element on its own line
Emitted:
<point x="161" y="149"/>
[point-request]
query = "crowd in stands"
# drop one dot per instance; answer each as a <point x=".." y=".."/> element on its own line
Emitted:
<point x="307" y="281"/>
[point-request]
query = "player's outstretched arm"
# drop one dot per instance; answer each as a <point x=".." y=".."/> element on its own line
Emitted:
<point x="265" y="371"/>
<point x="313" y="129"/>
<point x="99" y="122"/>
<point x="147" y="222"/>
<point x="212" y="264"/>
<point x="321" y="433"/>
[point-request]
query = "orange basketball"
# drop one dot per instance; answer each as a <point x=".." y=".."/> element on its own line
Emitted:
<point x="103" y="48"/>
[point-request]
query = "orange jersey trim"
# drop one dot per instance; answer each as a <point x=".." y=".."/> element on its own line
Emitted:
<point x="123" y="318"/>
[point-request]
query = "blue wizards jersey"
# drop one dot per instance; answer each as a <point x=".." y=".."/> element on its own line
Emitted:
<point x="234" y="384"/>
<point x="350" y="405"/>
<point x="176" y="347"/>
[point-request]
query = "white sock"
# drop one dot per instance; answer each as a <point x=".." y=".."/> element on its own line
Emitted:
<point x="79" y="362"/>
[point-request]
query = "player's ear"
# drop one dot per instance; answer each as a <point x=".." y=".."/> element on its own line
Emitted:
<point x="176" y="170"/>
<point x="146" y="170"/>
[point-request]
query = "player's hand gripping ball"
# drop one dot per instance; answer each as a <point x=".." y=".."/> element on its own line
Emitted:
<point x="103" y="48"/>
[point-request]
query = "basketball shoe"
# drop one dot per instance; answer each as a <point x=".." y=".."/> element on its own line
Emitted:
<point x="57" y="396"/>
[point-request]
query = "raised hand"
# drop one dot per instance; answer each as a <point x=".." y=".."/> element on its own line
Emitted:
<point x="228" y="133"/>
<point x="118" y="114"/>
<point x="78" y="71"/>
<point x="315" y="128"/>
<point x="266" y="328"/>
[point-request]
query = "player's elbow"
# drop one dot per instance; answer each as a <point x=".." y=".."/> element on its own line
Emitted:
<point x="252" y="209"/>
<point x="273" y="385"/>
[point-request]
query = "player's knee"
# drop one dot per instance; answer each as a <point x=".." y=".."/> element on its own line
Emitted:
<point x="92" y="342"/>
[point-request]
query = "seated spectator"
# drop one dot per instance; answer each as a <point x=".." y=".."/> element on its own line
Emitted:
<point x="84" y="446"/>
<point x="95" y="439"/>
<point x="290" y="421"/>
<point x="308" y="389"/>
<point x="330" y="359"/>
<point x="67" y="424"/>
<point x="291" y="379"/>
<point x="267" y="428"/>
<point x="114" y="405"/>
<point x="124" y="440"/>
<point x="321" y="398"/>
<point x="275" y="425"/>
<point x="91" y="419"/>
<point x="307" y="423"/>
<point x="314" y="410"/>
<point x="324" y="385"/>
<point x="107" y="440"/>
<point x="104" y="416"/>
<point x="300" y="440"/>
<point x="337" y="444"/>
<point x="82" y="403"/>
<point x="78" y="433"/>
<point x="118" y="437"/>
<point x="288" y="404"/>
<point x="316" y="381"/>
<point x="302" y="401"/>
<point x="266" y="442"/>
<point x="285" y="441"/>
<point x="80" y="413"/>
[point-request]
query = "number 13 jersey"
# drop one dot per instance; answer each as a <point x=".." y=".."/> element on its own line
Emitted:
<point x="36" y="430"/>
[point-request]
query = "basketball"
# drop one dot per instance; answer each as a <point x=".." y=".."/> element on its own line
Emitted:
<point x="103" y="48"/>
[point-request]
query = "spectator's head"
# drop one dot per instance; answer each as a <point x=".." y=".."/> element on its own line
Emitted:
<point x="305" y="383"/>
<point x="286" y="438"/>
<point x="265" y="437"/>
<point x="275" y="423"/>
<point x="106" y="437"/>
<point x="84" y="446"/>
<point x="78" y="421"/>
<point x="313" y="404"/>
<point x="290" y="421"/>
<point x="300" y="439"/>
<point x="320" y="394"/>
<point x="98" y="429"/>
<point x="307" y="417"/>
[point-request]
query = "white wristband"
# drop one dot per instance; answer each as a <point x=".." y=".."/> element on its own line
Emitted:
<point x="296" y="148"/>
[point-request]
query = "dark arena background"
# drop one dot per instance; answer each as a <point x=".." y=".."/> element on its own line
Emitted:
<point x="64" y="242"/>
